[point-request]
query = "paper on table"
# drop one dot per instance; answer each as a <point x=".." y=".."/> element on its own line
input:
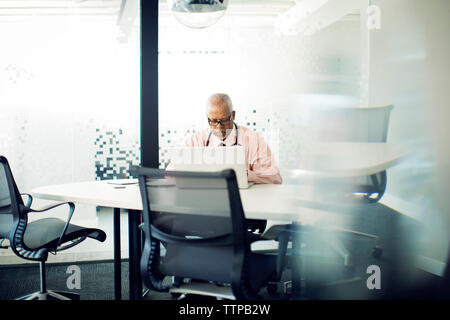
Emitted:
<point x="153" y="182"/>
<point x="123" y="182"/>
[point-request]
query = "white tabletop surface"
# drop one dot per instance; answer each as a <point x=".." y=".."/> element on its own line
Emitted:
<point x="275" y="202"/>
<point x="347" y="159"/>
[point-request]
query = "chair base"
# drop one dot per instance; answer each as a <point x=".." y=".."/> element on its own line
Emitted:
<point x="204" y="289"/>
<point x="51" y="295"/>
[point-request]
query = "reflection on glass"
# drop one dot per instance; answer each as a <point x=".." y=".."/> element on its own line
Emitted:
<point x="198" y="13"/>
<point x="62" y="110"/>
<point x="350" y="113"/>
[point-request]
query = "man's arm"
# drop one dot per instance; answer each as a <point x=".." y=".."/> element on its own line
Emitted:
<point x="262" y="165"/>
<point x="268" y="179"/>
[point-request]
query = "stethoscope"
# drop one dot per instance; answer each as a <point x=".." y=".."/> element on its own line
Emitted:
<point x="223" y="144"/>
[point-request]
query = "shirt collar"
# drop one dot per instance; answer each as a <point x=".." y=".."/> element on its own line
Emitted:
<point x="214" y="141"/>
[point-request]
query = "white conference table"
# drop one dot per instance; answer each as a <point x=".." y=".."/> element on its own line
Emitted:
<point x="347" y="159"/>
<point x="265" y="202"/>
<point x="258" y="201"/>
<point x="323" y="160"/>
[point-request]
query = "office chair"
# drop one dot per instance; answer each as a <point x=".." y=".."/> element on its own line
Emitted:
<point x="35" y="240"/>
<point x="369" y="124"/>
<point x="199" y="220"/>
<point x="363" y="125"/>
<point x="344" y="125"/>
<point x="360" y="125"/>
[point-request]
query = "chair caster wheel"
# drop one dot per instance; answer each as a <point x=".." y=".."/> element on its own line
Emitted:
<point x="377" y="252"/>
<point x="272" y="288"/>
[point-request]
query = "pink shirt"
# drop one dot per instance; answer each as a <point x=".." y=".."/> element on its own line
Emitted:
<point x="261" y="167"/>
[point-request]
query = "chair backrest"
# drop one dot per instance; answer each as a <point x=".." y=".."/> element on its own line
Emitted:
<point x="355" y="125"/>
<point x="10" y="201"/>
<point x="198" y="217"/>
<point x="350" y="124"/>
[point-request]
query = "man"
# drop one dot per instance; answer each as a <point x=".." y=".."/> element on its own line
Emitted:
<point x="223" y="131"/>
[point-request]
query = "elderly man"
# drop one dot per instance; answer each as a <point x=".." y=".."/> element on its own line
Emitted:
<point x="223" y="131"/>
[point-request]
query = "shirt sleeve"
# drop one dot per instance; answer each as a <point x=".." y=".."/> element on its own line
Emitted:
<point x="194" y="140"/>
<point x="262" y="166"/>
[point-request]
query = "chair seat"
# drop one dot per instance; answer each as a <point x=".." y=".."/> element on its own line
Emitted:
<point x="260" y="266"/>
<point x="45" y="233"/>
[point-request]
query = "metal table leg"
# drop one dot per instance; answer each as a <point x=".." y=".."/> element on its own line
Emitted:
<point x="117" y="257"/>
<point x="134" y="235"/>
<point x="296" y="262"/>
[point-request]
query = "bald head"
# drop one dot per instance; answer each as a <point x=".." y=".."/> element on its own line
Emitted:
<point x="219" y="110"/>
<point x="219" y="101"/>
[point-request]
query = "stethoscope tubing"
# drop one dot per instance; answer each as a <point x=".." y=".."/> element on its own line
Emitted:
<point x="235" y="144"/>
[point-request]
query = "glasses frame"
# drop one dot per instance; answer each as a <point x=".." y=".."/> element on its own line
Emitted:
<point x="223" y="122"/>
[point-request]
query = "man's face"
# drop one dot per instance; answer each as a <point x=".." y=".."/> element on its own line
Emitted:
<point x="220" y="119"/>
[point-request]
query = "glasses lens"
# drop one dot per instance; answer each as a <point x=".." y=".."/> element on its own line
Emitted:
<point x="215" y="122"/>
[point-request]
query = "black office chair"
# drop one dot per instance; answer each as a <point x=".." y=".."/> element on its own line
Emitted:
<point x="35" y="240"/>
<point x="324" y="237"/>
<point x="199" y="220"/>
<point x="342" y="125"/>
<point x="369" y="124"/>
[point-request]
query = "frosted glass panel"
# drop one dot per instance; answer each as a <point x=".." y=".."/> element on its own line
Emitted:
<point x="269" y="77"/>
<point x="69" y="92"/>
<point x="281" y="84"/>
<point x="401" y="58"/>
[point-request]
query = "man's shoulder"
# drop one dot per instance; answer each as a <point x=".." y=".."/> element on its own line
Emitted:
<point x="245" y="130"/>
<point x="248" y="132"/>
<point x="198" y="133"/>
<point x="196" y="138"/>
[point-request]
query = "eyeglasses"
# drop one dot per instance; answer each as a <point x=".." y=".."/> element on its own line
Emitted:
<point x="224" y="122"/>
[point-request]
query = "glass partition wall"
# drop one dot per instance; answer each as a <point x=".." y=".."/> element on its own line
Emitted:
<point x="275" y="74"/>
<point x="69" y="95"/>
<point x="270" y="75"/>
<point x="288" y="66"/>
<point x="70" y="91"/>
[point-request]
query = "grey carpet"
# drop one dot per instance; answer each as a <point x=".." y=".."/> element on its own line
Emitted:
<point x="96" y="281"/>
<point x="395" y="232"/>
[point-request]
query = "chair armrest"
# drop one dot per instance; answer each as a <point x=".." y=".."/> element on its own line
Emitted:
<point x="46" y="208"/>
<point x="71" y="210"/>
<point x="30" y="198"/>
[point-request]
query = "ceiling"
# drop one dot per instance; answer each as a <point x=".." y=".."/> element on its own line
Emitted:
<point x="112" y="8"/>
<point x="88" y="8"/>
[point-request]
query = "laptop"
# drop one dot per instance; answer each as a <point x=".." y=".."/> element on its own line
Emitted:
<point x="211" y="159"/>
